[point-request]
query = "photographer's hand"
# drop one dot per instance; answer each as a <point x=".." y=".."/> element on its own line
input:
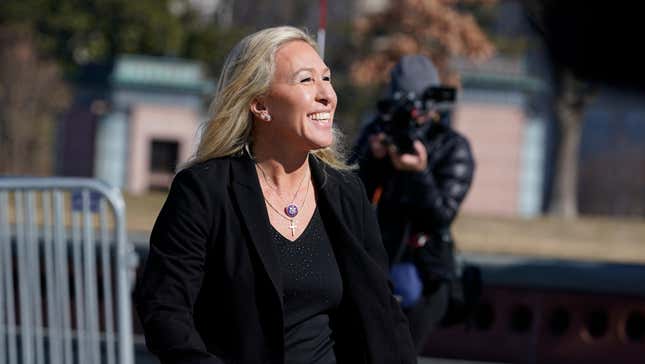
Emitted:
<point x="416" y="162"/>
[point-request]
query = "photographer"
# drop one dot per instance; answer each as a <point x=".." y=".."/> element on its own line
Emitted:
<point x="418" y="170"/>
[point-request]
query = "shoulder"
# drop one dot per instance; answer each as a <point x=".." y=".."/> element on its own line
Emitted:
<point x="208" y="167"/>
<point x="461" y="146"/>
<point x="455" y="142"/>
<point x="348" y="180"/>
<point x="458" y="155"/>
<point x="341" y="184"/>
<point x="209" y="176"/>
<point x="453" y="135"/>
<point x="210" y="170"/>
<point x="352" y="184"/>
<point x="459" y="138"/>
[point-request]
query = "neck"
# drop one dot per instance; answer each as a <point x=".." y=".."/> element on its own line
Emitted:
<point x="284" y="168"/>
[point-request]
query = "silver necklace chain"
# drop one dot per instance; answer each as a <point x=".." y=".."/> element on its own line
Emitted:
<point x="275" y="188"/>
<point x="291" y="220"/>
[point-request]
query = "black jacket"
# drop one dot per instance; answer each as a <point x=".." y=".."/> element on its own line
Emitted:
<point x="429" y="200"/>
<point x="211" y="291"/>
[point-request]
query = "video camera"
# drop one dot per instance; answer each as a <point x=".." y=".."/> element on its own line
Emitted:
<point x="398" y="114"/>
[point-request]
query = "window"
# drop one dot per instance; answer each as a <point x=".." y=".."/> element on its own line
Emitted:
<point x="163" y="161"/>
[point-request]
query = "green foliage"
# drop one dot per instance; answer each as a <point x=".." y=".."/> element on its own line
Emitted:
<point x="78" y="32"/>
<point x="211" y="45"/>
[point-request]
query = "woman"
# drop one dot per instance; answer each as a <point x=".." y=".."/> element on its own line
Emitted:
<point x="266" y="250"/>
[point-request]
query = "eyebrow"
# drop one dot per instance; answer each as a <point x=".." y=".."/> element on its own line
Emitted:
<point x="325" y="70"/>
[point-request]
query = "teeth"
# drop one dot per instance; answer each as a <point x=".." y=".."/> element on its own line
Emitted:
<point x="320" y="116"/>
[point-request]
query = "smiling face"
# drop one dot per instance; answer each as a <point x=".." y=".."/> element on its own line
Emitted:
<point x="301" y="100"/>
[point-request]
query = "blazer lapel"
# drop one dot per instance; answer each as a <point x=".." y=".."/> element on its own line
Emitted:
<point x="248" y="194"/>
<point x="328" y="194"/>
<point x="345" y="243"/>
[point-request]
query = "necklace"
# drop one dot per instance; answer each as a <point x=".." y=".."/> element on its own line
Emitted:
<point x="292" y="224"/>
<point x="291" y="209"/>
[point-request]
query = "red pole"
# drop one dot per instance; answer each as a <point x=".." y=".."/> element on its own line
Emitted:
<point x="322" y="24"/>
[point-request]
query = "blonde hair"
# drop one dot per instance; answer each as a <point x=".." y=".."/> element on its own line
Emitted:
<point x="247" y="74"/>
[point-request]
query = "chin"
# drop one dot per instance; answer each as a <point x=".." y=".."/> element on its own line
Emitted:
<point x="320" y="140"/>
<point x="321" y="143"/>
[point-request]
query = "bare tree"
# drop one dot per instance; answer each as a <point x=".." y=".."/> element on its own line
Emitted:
<point x="572" y="95"/>
<point x="32" y="93"/>
<point x="439" y="29"/>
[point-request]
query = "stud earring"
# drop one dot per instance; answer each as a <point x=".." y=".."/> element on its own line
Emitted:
<point x="266" y="117"/>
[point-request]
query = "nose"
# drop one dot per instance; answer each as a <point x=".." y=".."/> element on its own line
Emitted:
<point x="325" y="93"/>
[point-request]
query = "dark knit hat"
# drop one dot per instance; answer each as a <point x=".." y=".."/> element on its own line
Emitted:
<point x="413" y="73"/>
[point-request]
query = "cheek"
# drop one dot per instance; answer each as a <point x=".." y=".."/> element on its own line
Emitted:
<point x="298" y="103"/>
<point x="306" y="99"/>
<point x="333" y="98"/>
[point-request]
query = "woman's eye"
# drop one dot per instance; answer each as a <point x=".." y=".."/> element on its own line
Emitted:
<point x="327" y="78"/>
<point x="307" y="79"/>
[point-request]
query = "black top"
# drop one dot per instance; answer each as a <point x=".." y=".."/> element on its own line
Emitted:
<point x="211" y="290"/>
<point x="312" y="288"/>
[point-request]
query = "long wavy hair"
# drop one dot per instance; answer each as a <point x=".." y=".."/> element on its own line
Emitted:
<point x="247" y="74"/>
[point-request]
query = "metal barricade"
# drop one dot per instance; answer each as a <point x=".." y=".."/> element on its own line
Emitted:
<point x="62" y="245"/>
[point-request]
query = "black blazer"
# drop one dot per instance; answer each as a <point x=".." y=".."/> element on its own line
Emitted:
<point x="211" y="291"/>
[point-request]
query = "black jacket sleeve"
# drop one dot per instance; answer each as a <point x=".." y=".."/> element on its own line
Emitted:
<point x="173" y="274"/>
<point x="441" y="188"/>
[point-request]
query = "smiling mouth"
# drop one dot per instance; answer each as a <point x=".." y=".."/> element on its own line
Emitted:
<point x="321" y="117"/>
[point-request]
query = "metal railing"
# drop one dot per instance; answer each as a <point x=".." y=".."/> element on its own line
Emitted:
<point x="62" y="245"/>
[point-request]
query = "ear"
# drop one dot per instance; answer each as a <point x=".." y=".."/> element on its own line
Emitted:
<point x="258" y="107"/>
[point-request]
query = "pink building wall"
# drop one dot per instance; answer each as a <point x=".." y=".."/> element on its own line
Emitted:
<point x="154" y="122"/>
<point x="495" y="134"/>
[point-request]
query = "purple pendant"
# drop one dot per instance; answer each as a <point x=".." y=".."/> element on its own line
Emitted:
<point x="291" y="210"/>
